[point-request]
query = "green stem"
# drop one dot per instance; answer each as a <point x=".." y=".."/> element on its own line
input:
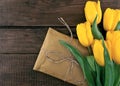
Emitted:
<point x="89" y="50"/>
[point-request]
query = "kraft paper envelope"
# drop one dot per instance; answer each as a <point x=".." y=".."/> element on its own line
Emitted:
<point x="54" y="59"/>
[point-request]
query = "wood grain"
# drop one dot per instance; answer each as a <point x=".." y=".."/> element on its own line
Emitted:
<point x="24" y="41"/>
<point x="45" y="12"/>
<point x="17" y="70"/>
<point x="23" y="27"/>
<point x="21" y="41"/>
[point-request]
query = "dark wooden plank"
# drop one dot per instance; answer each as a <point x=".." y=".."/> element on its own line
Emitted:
<point x="16" y="70"/>
<point x="19" y="40"/>
<point x="45" y="12"/>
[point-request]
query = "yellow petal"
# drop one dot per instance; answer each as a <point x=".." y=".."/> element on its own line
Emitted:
<point x="114" y="38"/>
<point x="98" y="51"/>
<point x="116" y="19"/>
<point x="108" y="19"/>
<point x="116" y="51"/>
<point x="108" y="45"/>
<point x="91" y="10"/>
<point x="81" y="33"/>
<point x="109" y="35"/>
<point x="89" y="33"/>
<point x="111" y="18"/>
<point x="99" y="12"/>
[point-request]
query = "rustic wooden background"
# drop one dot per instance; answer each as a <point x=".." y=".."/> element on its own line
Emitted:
<point x="23" y="26"/>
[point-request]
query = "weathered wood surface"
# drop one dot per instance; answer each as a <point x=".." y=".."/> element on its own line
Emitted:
<point x="18" y="52"/>
<point x="45" y="12"/>
<point x="22" y="33"/>
<point x="16" y="70"/>
<point x="24" y="41"/>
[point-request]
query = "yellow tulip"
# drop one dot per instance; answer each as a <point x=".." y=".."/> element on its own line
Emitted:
<point x="108" y="45"/>
<point x="110" y="19"/>
<point x="98" y="52"/>
<point x="114" y="38"/>
<point x="91" y="10"/>
<point x="84" y="34"/>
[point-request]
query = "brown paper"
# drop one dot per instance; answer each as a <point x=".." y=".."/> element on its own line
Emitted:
<point x="55" y="60"/>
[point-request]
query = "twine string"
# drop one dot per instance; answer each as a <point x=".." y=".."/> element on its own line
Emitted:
<point x="68" y="27"/>
<point x="64" y="59"/>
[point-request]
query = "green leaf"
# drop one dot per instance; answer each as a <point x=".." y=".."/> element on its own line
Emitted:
<point x="117" y="74"/>
<point x="118" y="26"/>
<point x="102" y="77"/>
<point x="95" y="31"/>
<point x="75" y="52"/>
<point x="98" y="71"/>
<point x="90" y="75"/>
<point x="91" y="61"/>
<point x="82" y="62"/>
<point x="109" y="68"/>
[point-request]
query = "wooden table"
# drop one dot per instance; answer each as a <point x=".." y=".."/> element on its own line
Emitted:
<point x="23" y="26"/>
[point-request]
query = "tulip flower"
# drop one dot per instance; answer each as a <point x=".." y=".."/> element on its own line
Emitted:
<point x="111" y="19"/>
<point x="84" y="34"/>
<point x="114" y="38"/>
<point x="98" y="52"/>
<point x="92" y="9"/>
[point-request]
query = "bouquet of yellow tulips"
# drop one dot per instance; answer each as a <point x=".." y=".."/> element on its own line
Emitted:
<point x="102" y="66"/>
